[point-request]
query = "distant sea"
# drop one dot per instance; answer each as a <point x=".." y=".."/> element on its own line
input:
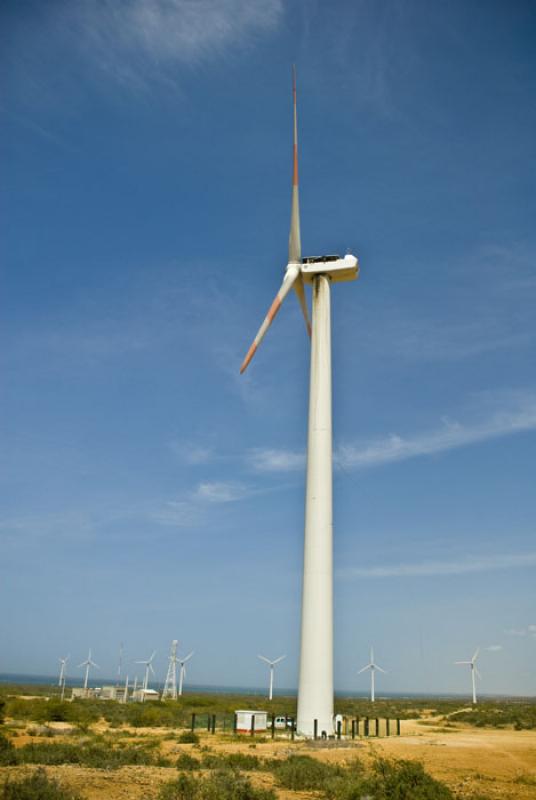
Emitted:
<point x="192" y="688"/>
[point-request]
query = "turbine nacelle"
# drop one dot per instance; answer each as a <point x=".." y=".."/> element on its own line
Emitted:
<point x="336" y="268"/>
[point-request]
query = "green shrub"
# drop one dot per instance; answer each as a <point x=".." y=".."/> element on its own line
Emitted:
<point x="221" y="785"/>
<point x="231" y="760"/>
<point x="188" y="737"/>
<point x="7" y="751"/>
<point x="36" y="787"/>
<point x="304" y="772"/>
<point x="97" y="755"/>
<point x="187" y="762"/>
<point x="404" y="780"/>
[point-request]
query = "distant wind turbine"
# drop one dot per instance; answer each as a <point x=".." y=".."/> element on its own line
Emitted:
<point x="182" y="672"/>
<point x="148" y="668"/>
<point x="373" y="667"/>
<point x="63" y="663"/>
<point x="272" y="665"/>
<point x="474" y="671"/>
<point x="87" y="664"/>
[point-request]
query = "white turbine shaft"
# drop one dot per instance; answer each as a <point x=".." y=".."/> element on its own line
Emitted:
<point x="472" y="664"/>
<point x="271" y="664"/>
<point x="315" y="694"/>
<point x="87" y="664"/>
<point x="315" y="691"/>
<point x="63" y="662"/>
<point x="182" y="672"/>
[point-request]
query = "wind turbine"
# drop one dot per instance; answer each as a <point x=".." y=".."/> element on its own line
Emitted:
<point x="272" y="665"/>
<point x="87" y="664"/>
<point x="373" y="667"/>
<point x="474" y="671"/>
<point x="315" y="688"/>
<point x="182" y="672"/>
<point x="170" y="685"/>
<point x="63" y="664"/>
<point x="148" y="667"/>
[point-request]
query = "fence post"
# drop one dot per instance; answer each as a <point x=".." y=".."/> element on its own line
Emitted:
<point x="398" y="727"/>
<point x="339" y="726"/>
<point x="387" y="727"/>
<point x="214" y="723"/>
<point x="357" y="725"/>
<point x="377" y="726"/>
<point x="193" y="723"/>
<point x="315" y="729"/>
<point x="235" y="723"/>
<point x="253" y="724"/>
<point x="273" y="726"/>
<point x="353" y="729"/>
<point x="293" y="728"/>
<point x="366" y="731"/>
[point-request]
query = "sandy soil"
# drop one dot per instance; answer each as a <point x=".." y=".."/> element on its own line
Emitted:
<point x="495" y="764"/>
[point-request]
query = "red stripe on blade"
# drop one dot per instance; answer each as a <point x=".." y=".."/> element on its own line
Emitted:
<point x="249" y="356"/>
<point x="274" y="308"/>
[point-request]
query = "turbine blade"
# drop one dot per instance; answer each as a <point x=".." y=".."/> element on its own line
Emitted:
<point x="263" y="658"/>
<point x="151" y="668"/>
<point x="474" y="658"/>
<point x="278" y="660"/>
<point x="463" y="662"/>
<point x="290" y="276"/>
<point x="92" y="664"/>
<point x="188" y="657"/>
<point x="381" y="670"/>
<point x="478" y="675"/>
<point x="294" y="241"/>
<point x="300" y="294"/>
<point x="364" y="668"/>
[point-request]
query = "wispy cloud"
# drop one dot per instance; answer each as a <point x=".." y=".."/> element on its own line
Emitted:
<point x="272" y="460"/>
<point x="448" y="436"/>
<point x="494" y="648"/>
<point x="461" y="566"/>
<point x="220" y="492"/>
<point x="520" y="416"/>
<point x="528" y="630"/>
<point x="193" y="508"/>
<point x="138" y="39"/>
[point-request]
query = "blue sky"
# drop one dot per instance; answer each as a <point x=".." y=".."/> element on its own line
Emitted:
<point x="149" y="492"/>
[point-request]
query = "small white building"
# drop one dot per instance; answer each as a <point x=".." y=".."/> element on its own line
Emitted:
<point x="80" y="692"/>
<point x="246" y="719"/>
<point x="110" y="693"/>
<point x="143" y="695"/>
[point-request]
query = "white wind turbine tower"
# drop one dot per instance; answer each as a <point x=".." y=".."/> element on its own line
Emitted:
<point x="182" y="672"/>
<point x="170" y="685"/>
<point x="474" y="671"/>
<point x="373" y="667"/>
<point x="315" y="688"/>
<point x="148" y="668"/>
<point x="87" y="664"/>
<point x="63" y="664"/>
<point x="272" y="665"/>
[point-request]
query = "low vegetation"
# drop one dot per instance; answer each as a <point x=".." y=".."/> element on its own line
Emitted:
<point x="220" y="785"/>
<point x="36" y="787"/>
<point x="95" y="754"/>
